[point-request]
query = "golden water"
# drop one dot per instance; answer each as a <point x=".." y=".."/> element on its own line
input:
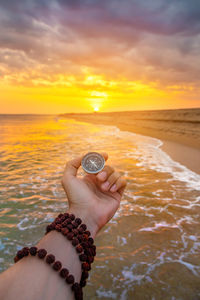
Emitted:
<point x="149" y="250"/>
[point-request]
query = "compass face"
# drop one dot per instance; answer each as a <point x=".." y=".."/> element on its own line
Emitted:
<point x="93" y="162"/>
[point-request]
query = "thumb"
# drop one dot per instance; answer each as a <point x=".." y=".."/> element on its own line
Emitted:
<point x="72" y="166"/>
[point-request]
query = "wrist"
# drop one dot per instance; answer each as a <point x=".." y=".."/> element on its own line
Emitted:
<point x="86" y="218"/>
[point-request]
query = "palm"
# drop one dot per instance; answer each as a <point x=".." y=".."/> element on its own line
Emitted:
<point x="86" y="193"/>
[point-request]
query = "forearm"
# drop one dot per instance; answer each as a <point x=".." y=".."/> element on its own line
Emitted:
<point x="32" y="278"/>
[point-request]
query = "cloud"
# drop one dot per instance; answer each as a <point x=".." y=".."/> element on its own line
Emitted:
<point x="154" y="40"/>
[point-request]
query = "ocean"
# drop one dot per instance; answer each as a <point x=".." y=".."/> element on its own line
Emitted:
<point x="151" y="247"/>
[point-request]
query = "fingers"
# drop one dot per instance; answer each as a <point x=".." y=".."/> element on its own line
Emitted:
<point x="72" y="166"/>
<point x="111" y="180"/>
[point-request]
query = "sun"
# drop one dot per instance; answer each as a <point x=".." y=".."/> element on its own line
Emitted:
<point x="96" y="109"/>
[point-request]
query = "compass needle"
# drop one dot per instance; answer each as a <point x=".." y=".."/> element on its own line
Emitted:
<point x="93" y="162"/>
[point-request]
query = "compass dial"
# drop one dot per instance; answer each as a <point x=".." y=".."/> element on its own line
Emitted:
<point x="93" y="162"/>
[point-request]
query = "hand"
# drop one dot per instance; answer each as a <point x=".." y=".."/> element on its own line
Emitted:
<point x="95" y="197"/>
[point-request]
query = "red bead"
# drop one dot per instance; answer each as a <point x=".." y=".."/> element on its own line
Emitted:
<point x="75" y="242"/>
<point x="79" y="248"/>
<point x="64" y="273"/>
<point x="42" y="253"/>
<point x="33" y="251"/>
<point x="50" y="258"/>
<point x="70" y="236"/>
<point x="83" y="257"/>
<point x="70" y="279"/>
<point x="57" y="265"/>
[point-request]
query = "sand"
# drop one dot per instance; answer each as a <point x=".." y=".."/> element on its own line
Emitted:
<point x="178" y="129"/>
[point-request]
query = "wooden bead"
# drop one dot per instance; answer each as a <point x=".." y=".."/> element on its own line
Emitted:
<point x="25" y="251"/>
<point x="70" y="279"/>
<point x="64" y="272"/>
<point x="60" y="215"/>
<point x="72" y="217"/>
<point x="33" y="251"/>
<point x="83" y="226"/>
<point x="42" y="253"/>
<point x="78" y="221"/>
<point x="66" y="215"/>
<point x="57" y="265"/>
<point x="50" y="258"/>
<point x="58" y="227"/>
<point x="86" y="266"/>
<point x="75" y="242"/>
<point x="65" y="231"/>
<point x="90" y="241"/>
<point x="70" y="226"/>
<point x="70" y="236"/>
<point x="79" y="248"/>
<point x="83" y="257"/>
<point x="84" y="275"/>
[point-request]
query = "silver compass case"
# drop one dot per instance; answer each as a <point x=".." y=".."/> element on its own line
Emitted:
<point x="93" y="162"/>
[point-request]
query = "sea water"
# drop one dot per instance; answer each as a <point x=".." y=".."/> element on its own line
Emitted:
<point x="151" y="247"/>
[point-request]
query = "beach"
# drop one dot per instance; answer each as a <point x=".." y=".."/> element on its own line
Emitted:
<point x="178" y="129"/>
<point x="151" y="247"/>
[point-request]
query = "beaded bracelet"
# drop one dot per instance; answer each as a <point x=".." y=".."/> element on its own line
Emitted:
<point x="76" y="232"/>
<point x="56" y="265"/>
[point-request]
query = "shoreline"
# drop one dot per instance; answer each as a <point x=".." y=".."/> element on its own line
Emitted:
<point x="181" y="148"/>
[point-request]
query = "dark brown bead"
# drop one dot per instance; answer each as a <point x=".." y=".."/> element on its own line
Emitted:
<point x="84" y="275"/>
<point x="64" y="273"/>
<point x="83" y="226"/>
<point x="78" y="221"/>
<point x="81" y="230"/>
<point x="57" y="265"/>
<point x="87" y="232"/>
<point x="75" y="286"/>
<point x="66" y="215"/>
<point x="80" y="238"/>
<point x="70" y="279"/>
<point x="58" y="227"/>
<point x="86" y="266"/>
<point x="75" y="231"/>
<point x="50" y="258"/>
<point x="25" y="251"/>
<point x="70" y="226"/>
<point x="83" y="283"/>
<point x="90" y="259"/>
<point x="62" y="219"/>
<point x="84" y="245"/>
<point x="16" y="259"/>
<point x="48" y="228"/>
<point x="75" y="242"/>
<point x="57" y="221"/>
<point x="90" y="241"/>
<point x="20" y="254"/>
<point x="79" y="248"/>
<point x="65" y="231"/>
<point x="72" y="217"/>
<point x="42" y="253"/>
<point x="88" y="251"/>
<point x="70" y="236"/>
<point x="33" y="251"/>
<point x="66" y="222"/>
<point x="74" y="224"/>
<point x="83" y="257"/>
<point x="60" y="216"/>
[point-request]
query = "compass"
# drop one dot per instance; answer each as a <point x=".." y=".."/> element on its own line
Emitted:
<point x="93" y="162"/>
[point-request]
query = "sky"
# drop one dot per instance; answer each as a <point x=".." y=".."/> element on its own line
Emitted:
<point x="60" y="56"/>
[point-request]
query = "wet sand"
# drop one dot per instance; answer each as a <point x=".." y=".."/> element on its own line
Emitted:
<point x="178" y="129"/>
